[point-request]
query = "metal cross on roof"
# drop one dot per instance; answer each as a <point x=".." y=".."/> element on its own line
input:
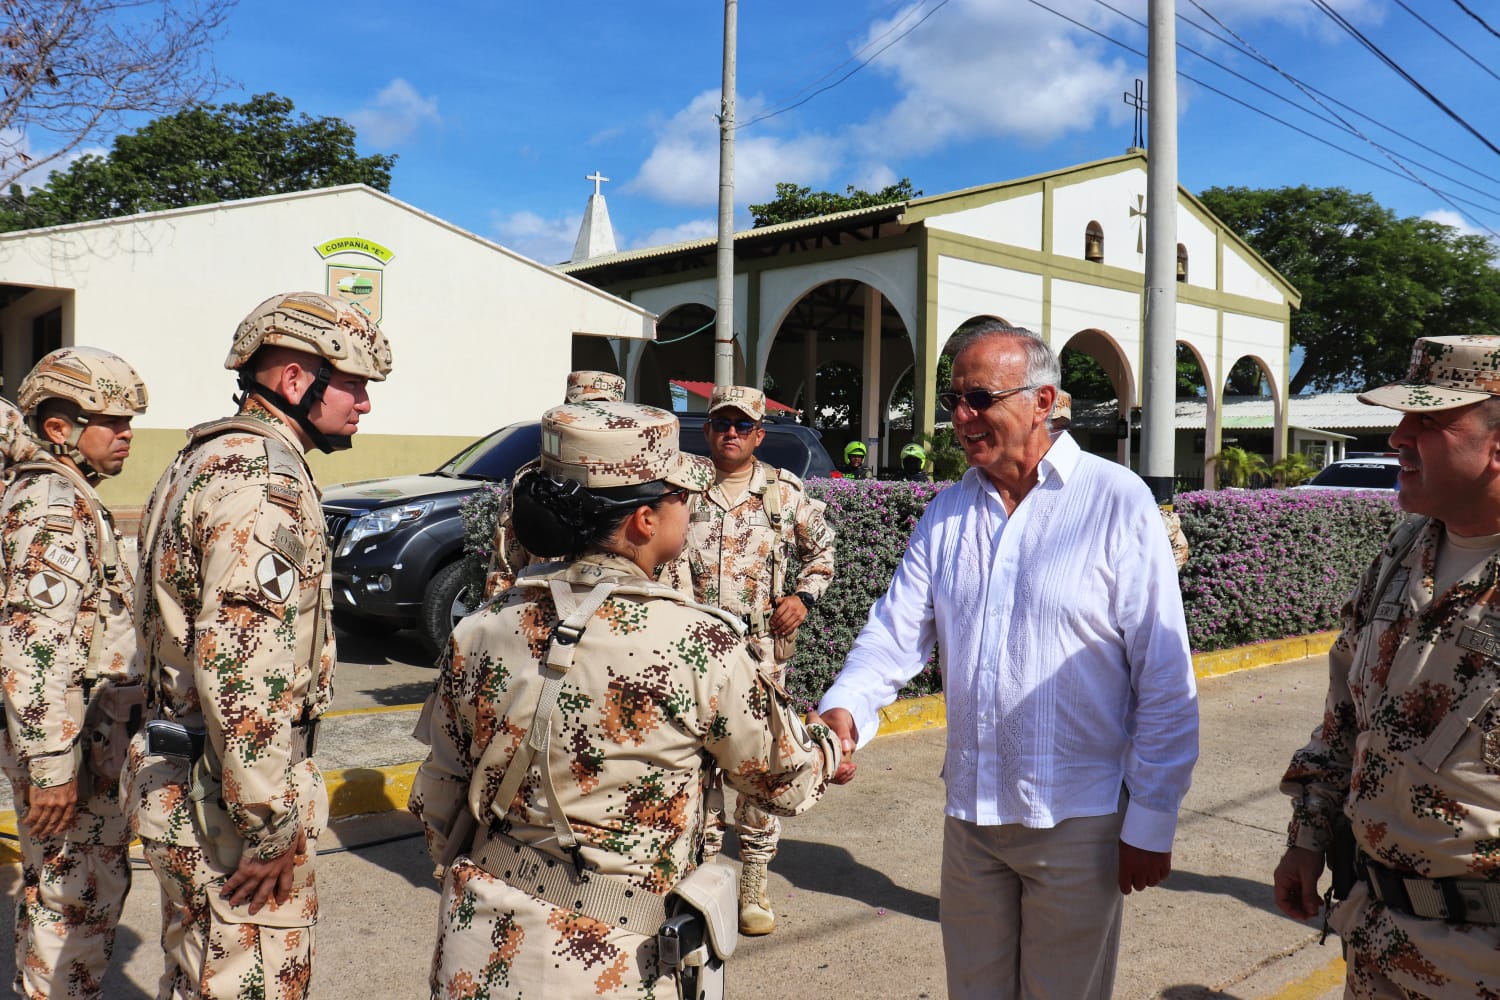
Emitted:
<point x="1137" y="100"/>
<point x="597" y="179"/>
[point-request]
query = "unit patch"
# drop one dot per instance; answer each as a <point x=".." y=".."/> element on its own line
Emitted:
<point x="62" y="560"/>
<point x="289" y="543"/>
<point x="47" y="589"/>
<point x="275" y="576"/>
<point x="287" y="495"/>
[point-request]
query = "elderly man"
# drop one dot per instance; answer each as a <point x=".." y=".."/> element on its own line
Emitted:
<point x="1046" y="579"/>
<point x="1409" y="749"/>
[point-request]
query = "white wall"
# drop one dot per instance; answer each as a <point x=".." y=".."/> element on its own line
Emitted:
<point x="1014" y="221"/>
<point x="1108" y="201"/>
<point x="480" y="336"/>
<point x="1076" y="306"/>
<point x="967" y="289"/>
<point x="1242" y="277"/>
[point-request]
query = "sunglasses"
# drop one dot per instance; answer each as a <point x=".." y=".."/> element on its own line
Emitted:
<point x="721" y="425"/>
<point x="681" y="493"/>
<point x="978" y="400"/>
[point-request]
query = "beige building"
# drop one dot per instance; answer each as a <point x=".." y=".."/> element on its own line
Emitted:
<point x="481" y="336"/>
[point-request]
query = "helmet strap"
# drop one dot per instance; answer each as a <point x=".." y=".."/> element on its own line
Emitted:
<point x="69" y="449"/>
<point x="299" y="411"/>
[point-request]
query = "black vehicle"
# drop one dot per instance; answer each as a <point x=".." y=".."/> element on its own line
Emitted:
<point x="397" y="543"/>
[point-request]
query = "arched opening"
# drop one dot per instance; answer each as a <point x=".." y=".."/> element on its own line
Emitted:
<point x="1182" y="262"/>
<point x="674" y="369"/>
<point x="1250" y="443"/>
<point x="594" y="354"/>
<point x="1097" y="375"/>
<point x="1093" y="242"/>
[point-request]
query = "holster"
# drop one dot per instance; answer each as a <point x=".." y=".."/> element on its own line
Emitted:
<point x="712" y="892"/>
<point x="210" y="814"/>
<point x="1342" y="854"/>
<point x="113" y="715"/>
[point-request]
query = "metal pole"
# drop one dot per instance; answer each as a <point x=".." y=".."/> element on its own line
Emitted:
<point x="724" y="318"/>
<point x="1159" y="398"/>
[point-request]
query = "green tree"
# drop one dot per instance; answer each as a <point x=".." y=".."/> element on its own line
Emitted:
<point x="793" y="202"/>
<point x="1293" y="470"/>
<point x="1238" y="467"/>
<point x="1371" y="282"/>
<point x="1085" y="379"/>
<point x="199" y="156"/>
<point x="74" y="68"/>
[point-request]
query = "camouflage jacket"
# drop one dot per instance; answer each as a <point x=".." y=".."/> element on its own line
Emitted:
<point x="507" y="555"/>
<point x="16" y="445"/>
<point x="65" y="598"/>
<point x="1409" y="748"/>
<point x="1173" y="522"/>
<point x="727" y="560"/>
<point x="234" y="623"/>
<point x="655" y="682"/>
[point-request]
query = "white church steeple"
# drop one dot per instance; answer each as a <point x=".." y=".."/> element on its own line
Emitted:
<point x="595" y="237"/>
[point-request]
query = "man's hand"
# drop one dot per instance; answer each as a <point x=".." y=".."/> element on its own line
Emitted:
<point x="790" y="612"/>
<point x="1296" y="882"/>
<point x="257" y="881"/>
<point x="50" y="811"/>
<point x="1141" y="869"/>
<point x="842" y="725"/>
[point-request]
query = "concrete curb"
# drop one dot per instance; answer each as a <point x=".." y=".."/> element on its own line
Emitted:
<point x="353" y="791"/>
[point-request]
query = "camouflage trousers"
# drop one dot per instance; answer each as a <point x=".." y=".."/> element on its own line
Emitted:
<point x="73" y="889"/>
<point x="215" y="951"/>
<point x="496" y="941"/>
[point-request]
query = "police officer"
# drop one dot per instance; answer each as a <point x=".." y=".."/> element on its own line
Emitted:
<point x="914" y="464"/>
<point x="68" y="669"/>
<point x="741" y="532"/>
<point x="1409" y="749"/>
<point x="562" y="829"/>
<point x="233" y="615"/>
<point x="507" y="556"/>
<point x="854" y="467"/>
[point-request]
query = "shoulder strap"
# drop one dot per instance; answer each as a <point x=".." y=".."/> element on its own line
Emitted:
<point x="1398" y="545"/>
<point x="772" y="501"/>
<point x="561" y="646"/>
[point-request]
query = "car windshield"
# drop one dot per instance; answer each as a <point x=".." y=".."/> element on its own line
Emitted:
<point x="1359" y="475"/>
<point x="498" y="456"/>
<point x="784" y="451"/>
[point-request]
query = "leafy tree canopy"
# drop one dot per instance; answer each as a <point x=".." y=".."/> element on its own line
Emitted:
<point x="1371" y="282"/>
<point x="198" y="156"/>
<point x="793" y="202"/>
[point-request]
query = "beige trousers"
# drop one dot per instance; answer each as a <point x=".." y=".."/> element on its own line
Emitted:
<point x="1029" y="913"/>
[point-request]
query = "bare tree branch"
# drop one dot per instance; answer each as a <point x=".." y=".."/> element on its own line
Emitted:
<point x="70" y="69"/>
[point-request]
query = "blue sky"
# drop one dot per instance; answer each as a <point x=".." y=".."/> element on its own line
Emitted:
<point x="497" y="111"/>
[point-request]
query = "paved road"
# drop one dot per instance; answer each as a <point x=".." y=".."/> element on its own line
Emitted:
<point x="855" y="886"/>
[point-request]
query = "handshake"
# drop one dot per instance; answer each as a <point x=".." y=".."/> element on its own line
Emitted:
<point x="840" y="723"/>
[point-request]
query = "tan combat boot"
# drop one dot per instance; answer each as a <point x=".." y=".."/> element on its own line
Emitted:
<point x="756" y="917"/>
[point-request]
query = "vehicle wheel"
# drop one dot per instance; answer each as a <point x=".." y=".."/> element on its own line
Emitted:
<point x="443" y="606"/>
<point x="357" y="624"/>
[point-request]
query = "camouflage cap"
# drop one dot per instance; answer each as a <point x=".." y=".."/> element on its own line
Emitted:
<point x="317" y="324"/>
<point x="1063" y="408"/>
<point x="603" y="444"/>
<point x="1445" y="373"/>
<point x="599" y="386"/>
<point x="750" y="402"/>
<point x="98" y="381"/>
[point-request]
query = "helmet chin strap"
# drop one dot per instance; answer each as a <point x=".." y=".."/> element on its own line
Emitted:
<point x="69" y="449"/>
<point x="299" y="411"/>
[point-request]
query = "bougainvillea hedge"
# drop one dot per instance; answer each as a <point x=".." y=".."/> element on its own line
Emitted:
<point x="1264" y="564"/>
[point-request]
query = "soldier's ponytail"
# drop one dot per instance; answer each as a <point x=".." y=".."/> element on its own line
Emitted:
<point x="556" y="518"/>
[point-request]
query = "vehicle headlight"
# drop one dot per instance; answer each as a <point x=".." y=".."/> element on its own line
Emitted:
<point x="380" y="522"/>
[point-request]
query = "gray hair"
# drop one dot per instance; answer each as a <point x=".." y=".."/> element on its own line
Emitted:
<point x="1491" y="409"/>
<point x="1042" y="366"/>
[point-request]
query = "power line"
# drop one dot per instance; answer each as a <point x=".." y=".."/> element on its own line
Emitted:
<point x="862" y="64"/>
<point x="911" y="12"/>
<point x="1354" y="32"/>
<point x="1433" y="28"/>
<point x="1327" y="119"/>
<point x="1446" y="198"/>
<point x="1476" y="17"/>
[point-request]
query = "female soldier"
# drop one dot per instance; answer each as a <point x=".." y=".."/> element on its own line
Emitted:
<point x="578" y="719"/>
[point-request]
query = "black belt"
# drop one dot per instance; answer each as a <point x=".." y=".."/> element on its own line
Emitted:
<point x="1455" y="900"/>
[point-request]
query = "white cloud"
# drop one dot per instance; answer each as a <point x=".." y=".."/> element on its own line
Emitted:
<point x="1448" y="217"/>
<point x="548" y="241"/>
<point x="693" y="229"/>
<point x="15" y="143"/>
<point x="394" y="114"/>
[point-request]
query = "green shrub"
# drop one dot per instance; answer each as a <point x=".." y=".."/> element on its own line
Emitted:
<point x="1263" y="564"/>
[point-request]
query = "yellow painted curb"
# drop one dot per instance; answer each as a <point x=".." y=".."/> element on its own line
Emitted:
<point x="356" y="790"/>
<point x="912" y="714"/>
<point x="1262" y="654"/>
<point x="1329" y="977"/>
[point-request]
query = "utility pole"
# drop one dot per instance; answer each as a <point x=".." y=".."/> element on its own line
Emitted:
<point x="1159" y="398"/>
<point x="724" y="317"/>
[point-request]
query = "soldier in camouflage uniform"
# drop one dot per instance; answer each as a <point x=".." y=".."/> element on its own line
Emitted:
<point x="68" y="669"/>
<point x="507" y="556"/>
<point x="740" y="535"/>
<point x="1409" y="748"/>
<point x="233" y="614"/>
<point x="642" y="694"/>
<point x="15" y="444"/>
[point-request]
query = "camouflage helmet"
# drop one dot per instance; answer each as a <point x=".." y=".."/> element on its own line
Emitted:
<point x="98" y="381"/>
<point x="318" y="324"/>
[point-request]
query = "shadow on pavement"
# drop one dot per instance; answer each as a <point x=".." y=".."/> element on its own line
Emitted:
<point x="1187" y="992"/>
<point x="379" y="648"/>
<point x="1256" y="894"/>
<point x="832" y="870"/>
<point x="400" y="694"/>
